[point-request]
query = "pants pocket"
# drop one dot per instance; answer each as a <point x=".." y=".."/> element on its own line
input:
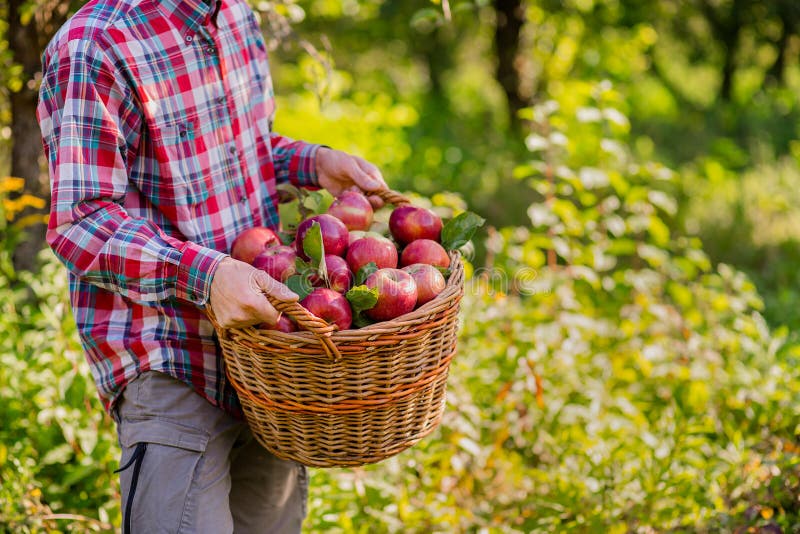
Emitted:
<point x="160" y="459"/>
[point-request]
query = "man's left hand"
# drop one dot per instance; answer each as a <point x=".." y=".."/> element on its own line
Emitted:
<point x="339" y="171"/>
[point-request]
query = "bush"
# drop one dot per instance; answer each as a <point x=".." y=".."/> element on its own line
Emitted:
<point x="57" y="447"/>
<point x="609" y="379"/>
<point x="751" y="220"/>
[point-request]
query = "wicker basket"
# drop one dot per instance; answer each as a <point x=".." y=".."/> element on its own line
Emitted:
<point x="326" y="398"/>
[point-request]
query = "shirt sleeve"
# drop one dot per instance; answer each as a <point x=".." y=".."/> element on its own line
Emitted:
<point x="295" y="161"/>
<point x="91" y="130"/>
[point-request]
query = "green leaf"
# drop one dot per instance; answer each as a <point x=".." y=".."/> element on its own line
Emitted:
<point x="288" y="192"/>
<point x="658" y="231"/>
<point x="313" y="245"/>
<point x="460" y="229"/>
<point x="302" y="267"/>
<point x="300" y="285"/>
<point x="79" y="473"/>
<point x="364" y="272"/>
<point x="360" y="320"/>
<point x="526" y="170"/>
<point x="622" y="247"/>
<point x="286" y="237"/>
<point x="60" y="454"/>
<point x="361" y="298"/>
<point x="445" y="271"/>
<point x="317" y="202"/>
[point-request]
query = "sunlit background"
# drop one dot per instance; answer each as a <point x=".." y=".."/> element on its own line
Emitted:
<point x="628" y="359"/>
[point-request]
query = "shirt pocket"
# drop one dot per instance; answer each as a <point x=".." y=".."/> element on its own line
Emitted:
<point x="183" y="161"/>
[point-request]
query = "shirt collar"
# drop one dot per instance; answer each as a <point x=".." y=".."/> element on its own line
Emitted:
<point x="189" y="14"/>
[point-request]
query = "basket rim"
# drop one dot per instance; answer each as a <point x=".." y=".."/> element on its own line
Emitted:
<point x="452" y="291"/>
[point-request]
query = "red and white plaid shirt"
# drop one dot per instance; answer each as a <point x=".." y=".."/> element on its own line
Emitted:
<point x="156" y="121"/>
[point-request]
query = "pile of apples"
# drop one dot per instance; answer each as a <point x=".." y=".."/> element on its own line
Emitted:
<point x="347" y="274"/>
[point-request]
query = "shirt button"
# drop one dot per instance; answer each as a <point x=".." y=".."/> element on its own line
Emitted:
<point x="189" y="38"/>
<point x="232" y="149"/>
<point x="210" y="50"/>
<point x="220" y="99"/>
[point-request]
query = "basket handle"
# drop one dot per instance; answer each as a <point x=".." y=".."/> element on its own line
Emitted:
<point x="390" y="196"/>
<point x="309" y="322"/>
<point x="305" y="319"/>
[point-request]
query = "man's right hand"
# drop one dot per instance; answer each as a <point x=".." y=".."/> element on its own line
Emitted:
<point x="236" y="295"/>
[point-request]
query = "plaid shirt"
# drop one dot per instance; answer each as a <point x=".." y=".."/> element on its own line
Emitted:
<point x="156" y="121"/>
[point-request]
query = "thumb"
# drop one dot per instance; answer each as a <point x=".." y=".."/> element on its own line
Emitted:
<point x="272" y="287"/>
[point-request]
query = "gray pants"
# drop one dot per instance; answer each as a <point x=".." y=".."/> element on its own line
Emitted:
<point x="188" y="467"/>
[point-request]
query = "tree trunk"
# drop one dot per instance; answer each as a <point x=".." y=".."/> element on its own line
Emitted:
<point x="777" y="71"/>
<point x="729" y="68"/>
<point x="25" y="43"/>
<point x="510" y="19"/>
<point x="727" y="29"/>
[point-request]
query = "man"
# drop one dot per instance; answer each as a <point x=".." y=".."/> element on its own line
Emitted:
<point x="156" y="121"/>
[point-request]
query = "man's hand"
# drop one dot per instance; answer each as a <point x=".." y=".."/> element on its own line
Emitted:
<point x="236" y="295"/>
<point x="339" y="171"/>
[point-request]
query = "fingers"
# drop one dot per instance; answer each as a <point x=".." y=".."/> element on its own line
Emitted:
<point x="339" y="171"/>
<point x="269" y="285"/>
<point x="376" y="201"/>
<point x="237" y="295"/>
<point x="261" y="311"/>
<point x="367" y="176"/>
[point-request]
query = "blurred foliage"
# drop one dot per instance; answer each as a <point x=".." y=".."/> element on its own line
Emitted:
<point x="609" y="378"/>
<point x="57" y="448"/>
<point x="668" y="60"/>
<point x="628" y="358"/>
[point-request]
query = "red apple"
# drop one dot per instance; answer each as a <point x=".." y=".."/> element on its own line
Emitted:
<point x="397" y="294"/>
<point x="334" y="234"/>
<point x="284" y="325"/>
<point x="339" y="274"/>
<point x="409" y="223"/>
<point x="425" y="251"/>
<point x="430" y="282"/>
<point x="380" y="228"/>
<point x="373" y="248"/>
<point x="354" y="235"/>
<point x="253" y="242"/>
<point x="277" y="261"/>
<point x="353" y="209"/>
<point x="330" y="306"/>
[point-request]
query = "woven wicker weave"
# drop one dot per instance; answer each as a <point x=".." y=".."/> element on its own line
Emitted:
<point x="327" y="398"/>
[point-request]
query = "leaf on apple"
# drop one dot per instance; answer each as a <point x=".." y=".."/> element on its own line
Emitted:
<point x="303" y="268"/>
<point x="361" y="299"/>
<point x="460" y="229"/>
<point x="288" y="192"/>
<point x="286" y="237"/>
<point x="300" y="285"/>
<point x="314" y="248"/>
<point x="316" y="202"/>
<point x="364" y="272"/>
